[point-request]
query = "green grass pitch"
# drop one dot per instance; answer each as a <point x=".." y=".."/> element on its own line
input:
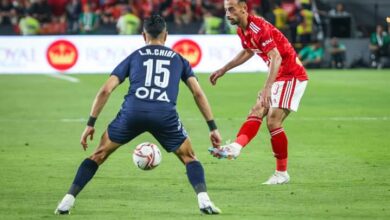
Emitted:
<point x="339" y="152"/>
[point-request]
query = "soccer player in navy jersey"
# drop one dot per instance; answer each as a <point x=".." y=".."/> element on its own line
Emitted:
<point x="154" y="72"/>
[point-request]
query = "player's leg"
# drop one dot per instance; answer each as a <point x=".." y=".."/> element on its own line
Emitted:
<point x="246" y="133"/>
<point x="252" y="125"/>
<point x="170" y="133"/>
<point x="285" y="98"/>
<point x="121" y="130"/>
<point x="89" y="166"/>
<point x="195" y="174"/>
<point x="279" y="143"/>
<point x="86" y="171"/>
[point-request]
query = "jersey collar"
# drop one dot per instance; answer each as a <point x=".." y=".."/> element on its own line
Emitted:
<point x="249" y="20"/>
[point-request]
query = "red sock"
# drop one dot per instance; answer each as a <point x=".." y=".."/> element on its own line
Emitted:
<point x="248" y="130"/>
<point x="279" y="146"/>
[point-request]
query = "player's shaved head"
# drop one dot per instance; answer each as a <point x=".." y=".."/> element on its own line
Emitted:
<point x="154" y="26"/>
<point x="236" y="11"/>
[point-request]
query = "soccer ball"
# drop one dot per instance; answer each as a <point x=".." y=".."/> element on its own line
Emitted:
<point x="147" y="156"/>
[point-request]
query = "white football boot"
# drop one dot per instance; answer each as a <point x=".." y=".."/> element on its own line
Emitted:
<point x="206" y="206"/>
<point x="65" y="205"/>
<point x="279" y="177"/>
<point x="230" y="151"/>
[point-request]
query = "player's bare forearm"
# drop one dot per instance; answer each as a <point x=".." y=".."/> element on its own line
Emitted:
<point x="275" y="62"/>
<point x="99" y="102"/>
<point x="200" y="98"/>
<point x="103" y="95"/>
<point x="203" y="105"/>
<point x="205" y="109"/>
<point x="239" y="59"/>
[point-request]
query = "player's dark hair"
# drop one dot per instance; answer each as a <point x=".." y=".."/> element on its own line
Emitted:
<point x="154" y="25"/>
<point x="242" y="1"/>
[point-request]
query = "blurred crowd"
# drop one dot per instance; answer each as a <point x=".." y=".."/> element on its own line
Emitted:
<point x="293" y="17"/>
<point x="300" y="20"/>
<point x="30" y="17"/>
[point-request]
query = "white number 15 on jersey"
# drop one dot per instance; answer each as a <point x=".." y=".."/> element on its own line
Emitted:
<point x="160" y="77"/>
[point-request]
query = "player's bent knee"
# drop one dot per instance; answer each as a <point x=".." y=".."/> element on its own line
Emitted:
<point x="274" y="122"/>
<point x="187" y="157"/>
<point x="272" y="127"/>
<point x="189" y="160"/>
<point x="99" y="156"/>
<point x="257" y="112"/>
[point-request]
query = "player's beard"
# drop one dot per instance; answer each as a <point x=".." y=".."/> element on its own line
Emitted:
<point x="233" y="21"/>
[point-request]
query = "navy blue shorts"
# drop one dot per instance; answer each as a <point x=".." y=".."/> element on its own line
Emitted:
<point x="164" y="126"/>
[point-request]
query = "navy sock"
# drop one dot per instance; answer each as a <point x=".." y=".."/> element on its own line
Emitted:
<point x="84" y="174"/>
<point x="195" y="175"/>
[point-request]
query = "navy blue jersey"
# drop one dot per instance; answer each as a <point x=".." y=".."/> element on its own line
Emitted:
<point x="154" y="72"/>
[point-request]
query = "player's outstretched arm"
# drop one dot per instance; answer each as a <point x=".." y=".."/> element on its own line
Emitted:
<point x="97" y="106"/>
<point x="204" y="107"/>
<point x="239" y="59"/>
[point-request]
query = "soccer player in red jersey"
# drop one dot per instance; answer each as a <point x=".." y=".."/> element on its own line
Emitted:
<point x="281" y="93"/>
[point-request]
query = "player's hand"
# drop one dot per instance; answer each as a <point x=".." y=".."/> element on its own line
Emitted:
<point x="265" y="97"/>
<point x="216" y="141"/>
<point x="88" y="131"/>
<point x="215" y="138"/>
<point x="215" y="75"/>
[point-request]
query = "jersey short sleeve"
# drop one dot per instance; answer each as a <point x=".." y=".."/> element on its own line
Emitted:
<point x="187" y="71"/>
<point x="265" y="41"/>
<point x="122" y="70"/>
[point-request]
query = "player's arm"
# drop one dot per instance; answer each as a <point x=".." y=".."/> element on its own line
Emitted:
<point x="275" y="62"/>
<point x="239" y="59"/>
<point x="205" y="109"/>
<point x="97" y="106"/>
<point x="103" y="95"/>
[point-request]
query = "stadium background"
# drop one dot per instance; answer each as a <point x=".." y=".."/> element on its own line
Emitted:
<point x="339" y="145"/>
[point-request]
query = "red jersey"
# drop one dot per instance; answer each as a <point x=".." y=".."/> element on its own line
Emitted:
<point x="261" y="37"/>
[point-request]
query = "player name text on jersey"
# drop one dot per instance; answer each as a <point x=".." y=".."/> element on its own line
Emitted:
<point x="157" y="52"/>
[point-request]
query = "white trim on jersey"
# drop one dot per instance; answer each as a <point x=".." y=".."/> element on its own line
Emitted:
<point x="254" y="27"/>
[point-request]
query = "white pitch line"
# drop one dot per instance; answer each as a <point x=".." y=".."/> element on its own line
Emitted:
<point x="65" y="120"/>
<point x="384" y="118"/>
<point x="77" y="120"/>
<point x="64" y="77"/>
<point x="352" y="118"/>
<point x="73" y="120"/>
